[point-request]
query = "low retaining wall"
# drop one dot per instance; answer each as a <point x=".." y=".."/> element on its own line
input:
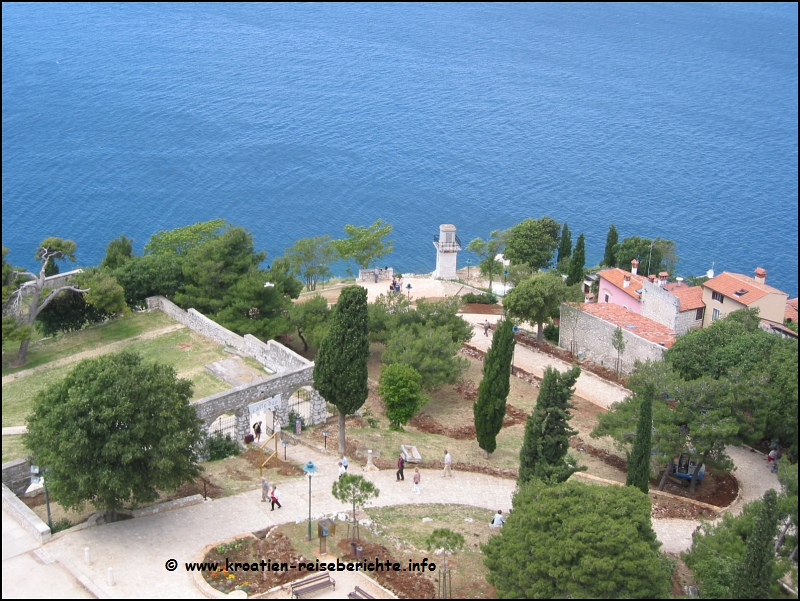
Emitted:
<point x="17" y="475"/>
<point x="24" y="516"/>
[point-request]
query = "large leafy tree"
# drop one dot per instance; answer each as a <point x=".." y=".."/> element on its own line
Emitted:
<point x="114" y="432"/>
<point x="639" y="459"/>
<point x="150" y="275"/>
<point x="26" y="302"/>
<point x="544" y="449"/>
<point x="532" y="242"/>
<point x="490" y="406"/>
<point x="577" y="541"/>
<point x="431" y="351"/>
<point x="536" y="300"/>
<point x="118" y="251"/>
<point x="182" y="239"/>
<point x="577" y="262"/>
<point x="400" y="387"/>
<point x="364" y="245"/>
<point x="487" y="251"/>
<point x="340" y="370"/>
<point x="310" y="319"/>
<point x="252" y="307"/>
<point x="357" y="491"/>
<point x="654" y="256"/>
<point x="612" y="239"/>
<point x="310" y="258"/>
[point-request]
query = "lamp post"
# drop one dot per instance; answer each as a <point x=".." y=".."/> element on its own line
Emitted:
<point x="325" y="436"/>
<point x="515" y="329"/>
<point x="505" y="273"/>
<point x="469" y="262"/>
<point x="309" y="468"/>
<point x="408" y="287"/>
<point x="285" y="444"/>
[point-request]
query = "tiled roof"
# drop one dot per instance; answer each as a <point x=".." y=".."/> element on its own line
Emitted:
<point x="616" y="276"/>
<point x="691" y="297"/>
<point x="729" y="284"/>
<point x="631" y="322"/>
<point x="791" y="310"/>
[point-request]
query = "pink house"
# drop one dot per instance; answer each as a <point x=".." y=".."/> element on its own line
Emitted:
<point x="620" y="287"/>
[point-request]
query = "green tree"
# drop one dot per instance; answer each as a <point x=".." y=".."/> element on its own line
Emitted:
<point x="400" y="387"/>
<point x="340" y="371"/>
<point x="311" y="320"/>
<point x="280" y="273"/>
<point x="103" y="291"/>
<point x="532" y="242"/>
<point x="756" y="573"/>
<point x="544" y="449"/>
<point x="68" y="312"/>
<point x="182" y="239"/>
<point x="387" y="313"/>
<point x="639" y="459"/>
<point x="564" y="244"/>
<point x="431" y="351"/>
<point x="118" y="251"/>
<point x="150" y="275"/>
<point x="357" y="491"/>
<point x="114" y="432"/>
<point x="577" y="262"/>
<point x="311" y="258"/>
<point x="618" y="342"/>
<point x="364" y="245"/>
<point x="486" y="252"/>
<point x="536" y="300"/>
<point x="612" y="239"/>
<point x="577" y="541"/>
<point x="449" y="542"/>
<point x="26" y="302"/>
<point x="649" y="253"/>
<point x="490" y="406"/>
<point x="250" y="306"/>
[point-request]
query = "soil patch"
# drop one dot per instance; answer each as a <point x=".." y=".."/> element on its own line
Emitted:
<point x="719" y="490"/>
<point x="425" y="423"/>
<point x="406" y="585"/>
<point x="481" y="309"/>
<point x="274" y="549"/>
<point x="198" y="487"/>
<point x="285" y="468"/>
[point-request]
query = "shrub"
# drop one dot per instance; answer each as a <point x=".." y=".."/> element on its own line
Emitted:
<point x="220" y="447"/>
<point x="487" y="298"/>
<point x="551" y="333"/>
<point x="293" y="417"/>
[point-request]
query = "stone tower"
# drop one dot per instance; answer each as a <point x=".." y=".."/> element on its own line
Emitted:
<point x="447" y="246"/>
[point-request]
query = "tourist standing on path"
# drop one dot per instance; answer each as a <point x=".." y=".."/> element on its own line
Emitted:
<point x="777" y="458"/>
<point x="342" y="471"/>
<point x="257" y="431"/>
<point x="376" y="272"/>
<point x="275" y="496"/>
<point x="486" y="328"/>
<point x="344" y="462"/>
<point x="401" y="465"/>
<point x="264" y="490"/>
<point x="448" y="464"/>
<point x="417" y="478"/>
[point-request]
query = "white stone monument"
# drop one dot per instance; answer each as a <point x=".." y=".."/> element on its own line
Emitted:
<point x="447" y="246"/>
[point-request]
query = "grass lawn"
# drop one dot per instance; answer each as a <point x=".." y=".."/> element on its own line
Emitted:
<point x="185" y="350"/>
<point x="58" y="347"/>
<point x="13" y="448"/>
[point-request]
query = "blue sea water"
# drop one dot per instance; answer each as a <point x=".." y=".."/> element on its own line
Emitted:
<point x="671" y="120"/>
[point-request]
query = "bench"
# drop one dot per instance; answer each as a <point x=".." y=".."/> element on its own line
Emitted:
<point x="360" y="593"/>
<point x="312" y="584"/>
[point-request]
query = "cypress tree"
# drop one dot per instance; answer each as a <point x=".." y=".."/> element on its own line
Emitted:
<point x="490" y="406"/>
<point x="547" y="430"/>
<point x="609" y="260"/>
<point x="564" y="244"/>
<point x="639" y="460"/>
<point x="577" y="262"/>
<point x="755" y="575"/>
<point x="340" y="370"/>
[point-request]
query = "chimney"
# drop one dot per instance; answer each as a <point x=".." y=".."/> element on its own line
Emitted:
<point x="761" y="275"/>
<point x="634" y="267"/>
<point x="589" y="298"/>
<point x="679" y="280"/>
<point x="663" y="277"/>
<point x="626" y="281"/>
<point x="652" y="278"/>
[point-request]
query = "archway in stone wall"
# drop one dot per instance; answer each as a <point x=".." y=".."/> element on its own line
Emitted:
<point x="266" y="411"/>
<point x="224" y="425"/>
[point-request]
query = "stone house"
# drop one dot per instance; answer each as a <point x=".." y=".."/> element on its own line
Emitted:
<point x="729" y="292"/>
<point x="673" y="304"/>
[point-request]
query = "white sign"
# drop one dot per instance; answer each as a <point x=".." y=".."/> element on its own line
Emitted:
<point x="270" y="404"/>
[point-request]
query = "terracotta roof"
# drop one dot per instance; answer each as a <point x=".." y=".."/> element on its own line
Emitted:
<point x="791" y="310"/>
<point x="749" y="291"/>
<point x="631" y="322"/>
<point x="615" y="276"/>
<point x="691" y="297"/>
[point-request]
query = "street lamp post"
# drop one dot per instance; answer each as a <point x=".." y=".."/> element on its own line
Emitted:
<point x="325" y="436"/>
<point x="285" y="444"/>
<point x="515" y="329"/>
<point x="309" y="468"/>
<point x="505" y="273"/>
<point x="408" y="287"/>
<point x="469" y="262"/>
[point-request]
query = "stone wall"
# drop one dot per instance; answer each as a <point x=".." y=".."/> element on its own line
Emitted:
<point x="17" y="475"/>
<point x="660" y="306"/>
<point x="368" y="275"/>
<point x="291" y="372"/>
<point x="687" y="320"/>
<point x="53" y="281"/>
<point x="593" y="339"/>
<point x="24" y="516"/>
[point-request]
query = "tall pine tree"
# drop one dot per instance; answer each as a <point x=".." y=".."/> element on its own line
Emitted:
<point x="340" y="370"/>
<point x="490" y="407"/>
<point x="577" y="262"/>
<point x="547" y="430"/>
<point x="564" y="244"/>
<point x="611" y="241"/>
<point x="639" y="460"/>
<point x="755" y="575"/>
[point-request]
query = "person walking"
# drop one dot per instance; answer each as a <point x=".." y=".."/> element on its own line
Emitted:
<point x="777" y="458"/>
<point x="376" y="272"/>
<point x="275" y="497"/>
<point x="344" y="462"/>
<point x="448" y="464"/>
<point x="417" y="478"/>
<point x="264" y="490"/>
<point x="486" y="328"/>
<point x="257" y="431"/>
<point x="401" y="465"/>
<point x="342" y="470"/>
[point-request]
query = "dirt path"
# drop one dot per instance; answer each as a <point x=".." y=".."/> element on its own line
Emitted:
<point x="102" y="350"/>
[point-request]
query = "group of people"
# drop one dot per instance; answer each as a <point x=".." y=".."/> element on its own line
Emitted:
<point x="401" y="466"/>
<point x="396" y="285"/>
<point x="272" y="494"/>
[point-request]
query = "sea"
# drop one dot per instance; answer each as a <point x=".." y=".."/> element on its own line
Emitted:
<point x="669" y="120"/>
